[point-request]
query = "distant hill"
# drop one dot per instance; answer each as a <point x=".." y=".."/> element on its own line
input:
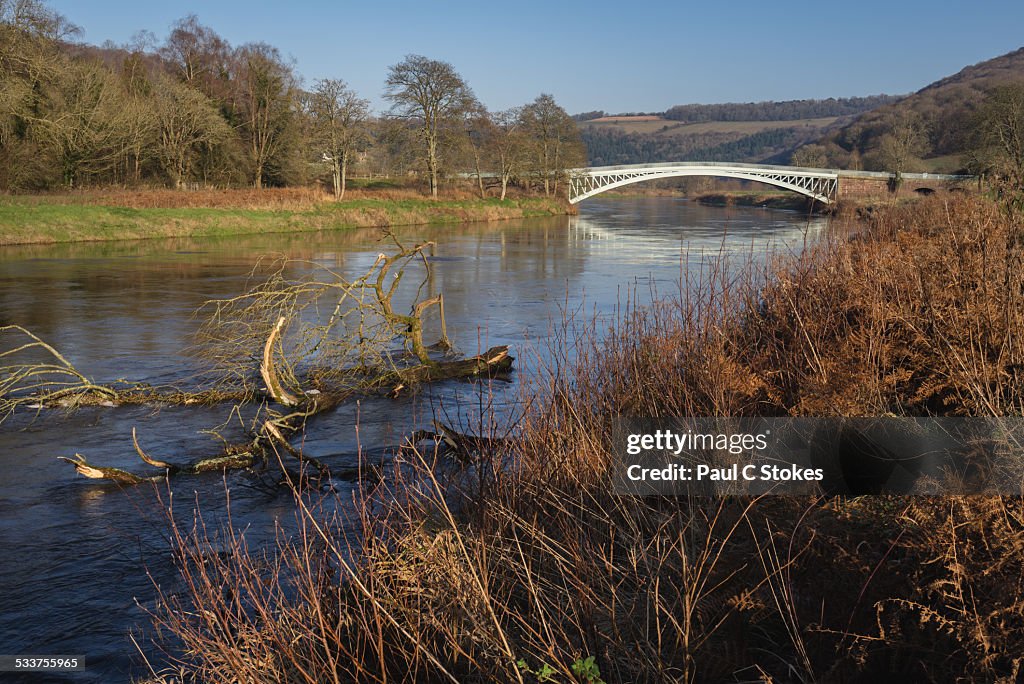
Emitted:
<point x="745" y="132"/>
<point x="942" y="110"/>
<point x="789" y="110"/>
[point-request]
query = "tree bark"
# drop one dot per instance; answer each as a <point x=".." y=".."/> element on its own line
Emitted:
<point x="479" y="175"/>
<point x="344" y="173"/>
<point x="494" y="361"/>
<point x="432" y="165"/>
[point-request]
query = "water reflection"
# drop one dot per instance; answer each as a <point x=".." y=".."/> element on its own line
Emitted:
<point x="74" y="552"/>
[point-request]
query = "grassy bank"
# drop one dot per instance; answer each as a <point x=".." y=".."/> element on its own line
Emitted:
<point x="537" y="572"/>
<point x="127" y="216"/>
<point x="772" y="200"/>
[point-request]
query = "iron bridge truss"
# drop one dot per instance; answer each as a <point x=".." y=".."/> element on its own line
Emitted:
<point x="819" y="184"/>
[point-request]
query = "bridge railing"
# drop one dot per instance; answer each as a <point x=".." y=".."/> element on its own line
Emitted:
<point x="724" y="165"/>
<point x="876" y="175"/>
<point x="905" y="176"/>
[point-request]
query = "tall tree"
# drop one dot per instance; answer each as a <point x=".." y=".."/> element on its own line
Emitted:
<point x="508" y="143"/>
<point x="200" y="57"/>
<point x="434" y="96"/>
<point x="479" y="136"/>
<point x="999" y="136"/>
<point x="187" y="124"/>
<point x="555" y="140"/>
<point x="904" y="142"/>
<point x="30" y="63"/>
<point x="33" y="18"/>
<point x="267" y="93"/>
<point x="339" y="120"/>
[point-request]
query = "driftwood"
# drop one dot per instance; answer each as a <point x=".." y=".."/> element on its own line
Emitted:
<point x="226" y="461"/>
<point x="274" y="431"/>
<point x="206" y="465"/>
<point x="286" y="322"/>
<point x="494" y="361"/>
<point x="465" y="448"/>
<point x="269" y="373"/>
<point x="345" y="328"/>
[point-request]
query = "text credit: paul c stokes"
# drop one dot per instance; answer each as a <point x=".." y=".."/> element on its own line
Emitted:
<point x="737" y="443"/>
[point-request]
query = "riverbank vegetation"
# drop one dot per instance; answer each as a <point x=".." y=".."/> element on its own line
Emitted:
<point x="749" y="198"/>
<point x="193" y="111"/>
<point x="521" y="565"/>
<point x="124" y="215"/>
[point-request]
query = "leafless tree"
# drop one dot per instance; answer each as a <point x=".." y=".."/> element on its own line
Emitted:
<point x="34" y="18"/>
<point x="509" y="144"/>
<point x="339" y="119"/>
<point x="812" y="156"/>
<point x="29" y="60"/>
<point x="479" y="136"/>
<point x="431" y="94"/>
<point x="199" y="55"/>
<point x="904" y="143"/>
<point x="999" y="146"/>
<point x="187" y="122"/>
<point x="555" y="140"/>
<point x="88" y="127"/>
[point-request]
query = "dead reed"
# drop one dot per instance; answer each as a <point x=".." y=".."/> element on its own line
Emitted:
<point x="525" y="567"/>
<point x="266" y="199"/>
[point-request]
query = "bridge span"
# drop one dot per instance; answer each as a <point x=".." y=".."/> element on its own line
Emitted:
<point x="821" y="185"/>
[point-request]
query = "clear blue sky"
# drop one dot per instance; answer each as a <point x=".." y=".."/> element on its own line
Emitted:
<point x="616" y="56"/>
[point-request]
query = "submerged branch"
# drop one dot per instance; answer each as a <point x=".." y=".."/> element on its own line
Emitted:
<point x="36" y="382"/>
<point x="276" y="324"/>
<point x="269" y="373"/>
<point x="274" y="430"/>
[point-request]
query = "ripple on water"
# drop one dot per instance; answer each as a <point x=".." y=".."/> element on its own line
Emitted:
<point x="75" y="553"/>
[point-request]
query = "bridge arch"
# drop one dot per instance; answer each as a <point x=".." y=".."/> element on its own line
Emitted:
<point x="818" y="184"/>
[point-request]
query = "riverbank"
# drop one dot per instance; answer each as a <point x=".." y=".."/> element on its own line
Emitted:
<point x="913" y="312"/>
<point x="132" y="216"/>
<point x="726" y="198"/>
<point x="768" y="200"/>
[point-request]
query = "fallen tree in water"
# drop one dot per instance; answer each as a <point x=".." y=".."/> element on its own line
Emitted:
<point x="272" y="438"/>
<point x="308" y="363"/>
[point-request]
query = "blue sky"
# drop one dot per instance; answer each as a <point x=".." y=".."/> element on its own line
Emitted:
<point x="617" y="56"/>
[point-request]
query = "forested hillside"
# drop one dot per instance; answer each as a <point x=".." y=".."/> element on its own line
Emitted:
<point x="935" y="129"/>
<point x="610" y="147"/>
<point x="743" y="132"/>
<point x="789" y="110"/>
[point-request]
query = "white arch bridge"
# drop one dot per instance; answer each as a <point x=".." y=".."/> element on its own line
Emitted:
<point x="819" y="184"/>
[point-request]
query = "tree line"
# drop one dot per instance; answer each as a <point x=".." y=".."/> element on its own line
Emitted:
<point x="606" y="147"/>
<point x="789" y="110"/>
<point x="194" y="110"/>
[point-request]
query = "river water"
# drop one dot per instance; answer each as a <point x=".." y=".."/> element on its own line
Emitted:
<point x="78" y="557"/>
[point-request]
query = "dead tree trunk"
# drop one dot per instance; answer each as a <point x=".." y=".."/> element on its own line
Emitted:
<point x="275" y="431"/>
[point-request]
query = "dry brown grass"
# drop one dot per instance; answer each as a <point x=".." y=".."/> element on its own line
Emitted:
<point x="292" y="199"/>
<point x="528" y="555"/>
<point x="164" y="198"/>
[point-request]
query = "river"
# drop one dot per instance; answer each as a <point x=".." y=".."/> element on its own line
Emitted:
<point x="78" y="557"/>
